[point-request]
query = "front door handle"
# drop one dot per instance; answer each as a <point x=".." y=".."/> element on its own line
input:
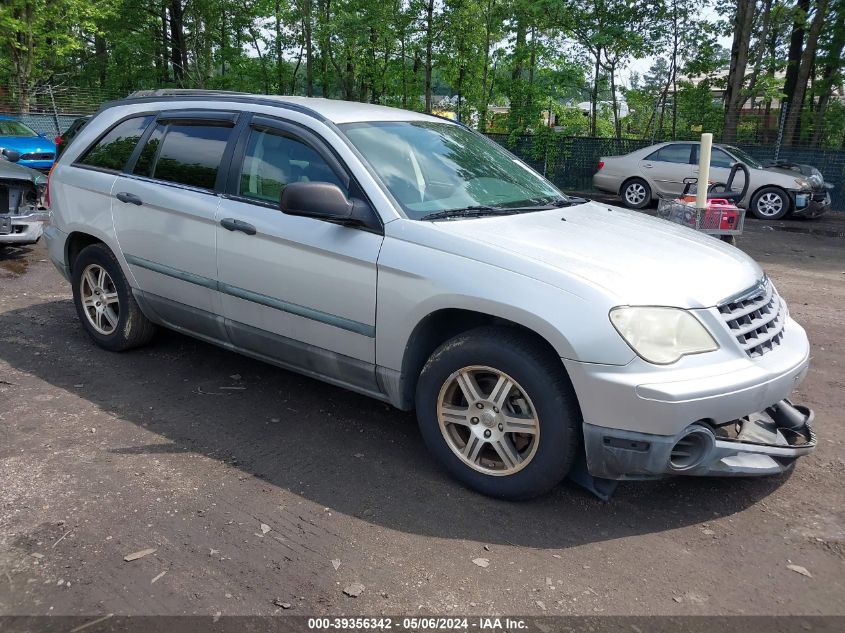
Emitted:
<point x="129" y="198"/>
<point x="232" y="224"/>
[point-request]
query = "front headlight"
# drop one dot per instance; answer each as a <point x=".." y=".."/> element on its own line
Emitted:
<point x="661" y="335"/>
<point x="802" y="184"/>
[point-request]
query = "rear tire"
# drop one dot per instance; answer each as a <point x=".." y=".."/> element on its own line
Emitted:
<point x="104" y="301"/>
<point x="636" y="193"/>
<point x="519" y="437"/>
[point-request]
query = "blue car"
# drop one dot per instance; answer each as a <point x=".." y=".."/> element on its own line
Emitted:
<point x="36" y="150"/>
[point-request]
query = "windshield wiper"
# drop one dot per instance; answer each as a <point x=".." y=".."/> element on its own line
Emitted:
<point x="557" y="203"/>
<point x="479" y="210"/>
<point x="475" y="211"/>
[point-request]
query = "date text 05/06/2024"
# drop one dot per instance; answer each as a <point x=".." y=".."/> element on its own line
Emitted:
<point x="489" y="624"/>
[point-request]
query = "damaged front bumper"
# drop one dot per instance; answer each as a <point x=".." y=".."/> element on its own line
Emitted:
<point x="763" y="443"/>
<point x="810" y="204"/>
<point x="22" y="229"/>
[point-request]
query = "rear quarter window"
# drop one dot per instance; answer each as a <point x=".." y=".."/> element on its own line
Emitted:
<point x="115" y="147"/>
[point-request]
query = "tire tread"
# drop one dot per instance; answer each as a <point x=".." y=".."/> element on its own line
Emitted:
<point x="137" y="329"/>
<point x="531" y="351"/>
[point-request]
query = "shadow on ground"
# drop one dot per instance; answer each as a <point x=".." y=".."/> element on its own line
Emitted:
<point x="337" y="449"/>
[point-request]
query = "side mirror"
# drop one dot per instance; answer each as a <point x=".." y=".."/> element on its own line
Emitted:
<point x="320" y="200"/>
<point x="11" y="155"/>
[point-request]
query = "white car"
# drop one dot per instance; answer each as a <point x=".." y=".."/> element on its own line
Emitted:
<point x="411" y="259"/>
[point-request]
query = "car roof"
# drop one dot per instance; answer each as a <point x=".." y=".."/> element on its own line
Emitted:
<point x="723" y="145"/>
<point x="333" y="110"/>
<point x="352" y="111"/>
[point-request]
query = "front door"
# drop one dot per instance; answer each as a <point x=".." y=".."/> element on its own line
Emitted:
<point x="295" y="290"/>
<point x="720" y="169"/>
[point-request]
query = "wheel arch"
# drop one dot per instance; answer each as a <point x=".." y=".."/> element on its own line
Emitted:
<point x="439" y="326"/>
<point x="74" y="244"/>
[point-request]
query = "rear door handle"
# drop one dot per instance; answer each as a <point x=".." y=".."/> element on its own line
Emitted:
<point x="648" y="165"/>
<point x="129" y="198"/>
<point x="232" y="224"/>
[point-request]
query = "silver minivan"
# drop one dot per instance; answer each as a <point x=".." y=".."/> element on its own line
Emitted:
<point x="411" y="259"/>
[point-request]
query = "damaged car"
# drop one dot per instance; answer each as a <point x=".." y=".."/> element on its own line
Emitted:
<point x="22" y="213"/>
<point x="413" y="260"/>
<point x="775" y="189"/>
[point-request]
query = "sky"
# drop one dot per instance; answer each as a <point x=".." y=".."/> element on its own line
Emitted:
<point x="641" y="66"/>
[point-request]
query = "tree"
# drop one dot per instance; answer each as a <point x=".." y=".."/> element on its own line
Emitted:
<point x="32" y="40"/>
<point x="830" y="66"/>
<point x="796" y="98"/>
<point x="742" y="23"/>
<point x="613" y="31"/>
<point x="796" y="45"/>
<point x="529" y="56"/>
<point x="429" y="29"/>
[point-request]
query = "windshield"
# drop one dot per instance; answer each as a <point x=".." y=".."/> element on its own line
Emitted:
<point x="744" y="157"/>
<point x="431" y="167"/>
<point x="14" y="128"/>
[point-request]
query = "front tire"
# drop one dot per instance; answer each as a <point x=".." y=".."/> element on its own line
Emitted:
<point x="104" y="301"/>
<point x="496" y="408"/>
<point x="770" y="203"/>
<point x="636" y="193"/>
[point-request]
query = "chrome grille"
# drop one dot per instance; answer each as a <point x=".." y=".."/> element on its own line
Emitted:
<point x="756" y="319"/>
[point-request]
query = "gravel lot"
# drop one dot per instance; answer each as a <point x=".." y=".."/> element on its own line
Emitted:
<point x="258" y="487"/>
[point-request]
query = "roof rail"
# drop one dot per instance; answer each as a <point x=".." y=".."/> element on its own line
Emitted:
<point x="192" y="94"/>
<point x="185" y="92"/>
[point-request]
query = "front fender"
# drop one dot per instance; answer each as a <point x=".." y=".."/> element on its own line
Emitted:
<point x="415" y="281"/>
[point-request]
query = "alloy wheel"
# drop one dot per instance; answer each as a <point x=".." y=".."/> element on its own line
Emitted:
<point x="635" y="193"/>
<point x="488" y="420"/>
<point x="770" y="204"/>
<point x="99" y="298"/>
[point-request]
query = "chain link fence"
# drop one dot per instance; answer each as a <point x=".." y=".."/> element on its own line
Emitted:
<point x="50" y="109"/>
<point x="568" y="161"/>
<point x="571" y="161"/>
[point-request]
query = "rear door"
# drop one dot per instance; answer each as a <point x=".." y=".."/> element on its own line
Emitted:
<point x="297" y="290"/>
<point x="83" y="189"/>
<point x="667" y="167"/>
<point x="164" y="215"/>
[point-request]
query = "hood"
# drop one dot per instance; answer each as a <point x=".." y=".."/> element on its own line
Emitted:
<point x="783" y="171"/>
<point x="810" y="175"/>
<point x="639" y="259"/>
<point x="9" y="170"/>
<point x="28" y="144"/>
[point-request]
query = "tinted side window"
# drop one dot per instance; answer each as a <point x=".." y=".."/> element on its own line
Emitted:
<point x="718" y="158"/>
<point x="191" y="154"/>
<point x="272" y="161"/>
<point x="674" y="154"/>
<point x="114" y="149"/>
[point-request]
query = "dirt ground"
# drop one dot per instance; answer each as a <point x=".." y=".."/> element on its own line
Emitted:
<point x="257" y="485"/>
